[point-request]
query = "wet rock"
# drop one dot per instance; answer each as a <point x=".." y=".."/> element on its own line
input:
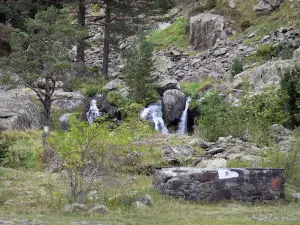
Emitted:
<point x="173" y="104"/>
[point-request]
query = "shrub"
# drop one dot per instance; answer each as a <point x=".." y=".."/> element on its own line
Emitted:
<point x="86" y="152"/>
<point x="237" y="67"/>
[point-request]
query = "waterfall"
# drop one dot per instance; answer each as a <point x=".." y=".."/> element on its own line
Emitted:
<point x="154" y="113"/>
<point x="183" y="120"/>
<point x="93" y="112"/>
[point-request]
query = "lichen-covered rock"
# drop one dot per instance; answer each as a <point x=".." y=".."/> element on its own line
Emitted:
<point x="206" y="29"/>
<point x="173" y="104"/>
<point x="297" y="53"/>
<point x="219" y="184"/>
<point x="146" y="200"/>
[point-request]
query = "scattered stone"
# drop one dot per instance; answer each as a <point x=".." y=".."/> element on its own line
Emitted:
<point x="296" y="196"/>
<point x="215" y="151"/>
<point x="146" y="200"/>
<point x="267" y="5"/>
<point x="175" y="155"/>
<point x="99" y="209"/>
<point x="213" y="163"/>
<point x="75" y="207"/>
<point x="231" y="4"/>
<point x="139" y="205"/>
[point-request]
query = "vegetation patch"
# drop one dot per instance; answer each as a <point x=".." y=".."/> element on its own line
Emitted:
<point x="174" y="35"/>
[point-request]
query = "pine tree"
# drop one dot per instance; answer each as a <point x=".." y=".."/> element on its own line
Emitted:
<point x="138" y="67"/>
<point x="40" y="55"/>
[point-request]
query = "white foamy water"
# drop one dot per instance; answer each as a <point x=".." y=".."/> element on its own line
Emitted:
<point x="182" y="129"/>
<point x="93" y="112"/>
<point x="154" y="114"/>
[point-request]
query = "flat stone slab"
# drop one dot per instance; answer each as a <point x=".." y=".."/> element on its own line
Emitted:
<point x="220" y="184"/>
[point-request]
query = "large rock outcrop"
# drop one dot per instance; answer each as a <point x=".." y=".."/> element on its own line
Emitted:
<point x="216" y="185"/>
<point x="265" y="75"/>
<point x="17" y="111"/>
<point x="206" y="29"/>
<point x="173" y="104"/>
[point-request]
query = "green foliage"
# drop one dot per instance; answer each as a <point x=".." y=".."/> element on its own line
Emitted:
<point x="254" y="116"/>
<point x="290" y="86"/>
<point x="89" y="86"/>
<point x="238" y="163"/>
<point x="193" y="89"/>
<point x="138" y="66"/>
<point x="96" y="7"/>
<point x="174" y="35"/>
<point x="237" y="67"/>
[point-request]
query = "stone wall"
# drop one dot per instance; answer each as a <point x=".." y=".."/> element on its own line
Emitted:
<point x="215" y="185"/>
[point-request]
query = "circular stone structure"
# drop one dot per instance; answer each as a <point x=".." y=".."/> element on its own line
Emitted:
<point x="220" y="184"/>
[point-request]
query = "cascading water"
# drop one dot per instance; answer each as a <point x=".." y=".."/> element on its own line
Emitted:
<point x="154" y="113"/>
<point x="183" y="120"/>
<point x="93" y="112"/>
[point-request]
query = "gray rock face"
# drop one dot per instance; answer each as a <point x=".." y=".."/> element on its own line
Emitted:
<point x="146" y="200"/>
<point x="206" y="29"/>
<point x="216" y="185"/>
<point x="173" y="103"/>
<point x="68" y="100"/>
<point x="113" y="84"/>
<point x="17" y="111"/>
<point x="265" y="75"/>
<point x="267" y="5"/>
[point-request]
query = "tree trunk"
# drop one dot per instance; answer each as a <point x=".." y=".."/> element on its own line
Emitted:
<point x="48" y="152"/>
<point x="106" y="40"/>
<point x="81" y="22"/>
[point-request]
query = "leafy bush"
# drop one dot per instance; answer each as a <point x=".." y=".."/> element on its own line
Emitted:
<point x="237" y="67"/>
<point x="290" y="86"/>
<point x="174" y="35"/>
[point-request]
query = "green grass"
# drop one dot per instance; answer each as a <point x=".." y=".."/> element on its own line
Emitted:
<point x="174" y="35"/>
<point x="193" y="89"/>
<point x="45" y="198"/>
